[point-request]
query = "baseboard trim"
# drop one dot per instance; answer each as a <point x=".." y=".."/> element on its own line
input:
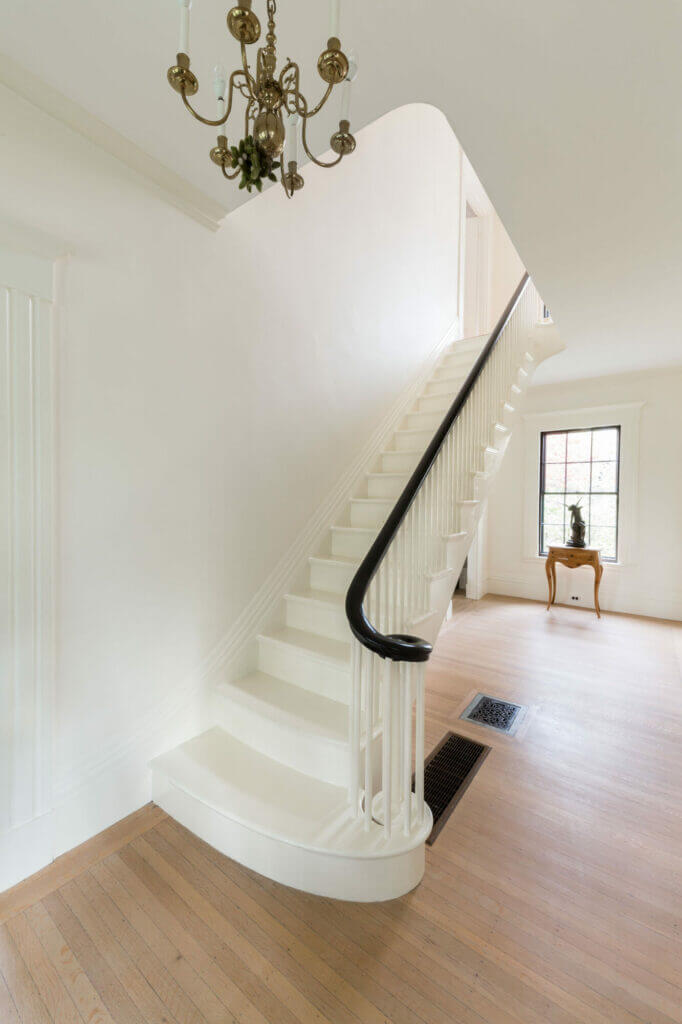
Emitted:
<point x="25" y="850"/>
<point x="612" y="597"/>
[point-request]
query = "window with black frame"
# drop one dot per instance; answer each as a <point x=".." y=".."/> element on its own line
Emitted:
<point x="580" y="467"/>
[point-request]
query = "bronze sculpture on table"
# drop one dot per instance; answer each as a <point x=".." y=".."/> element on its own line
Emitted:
<point x="577" y="527"/>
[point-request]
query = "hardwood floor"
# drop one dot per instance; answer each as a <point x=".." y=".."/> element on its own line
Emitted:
<point x="552" y="896"/>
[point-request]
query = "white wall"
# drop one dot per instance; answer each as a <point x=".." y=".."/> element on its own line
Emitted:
<point x="211" y="389"/>
<point x="649" y="581"/>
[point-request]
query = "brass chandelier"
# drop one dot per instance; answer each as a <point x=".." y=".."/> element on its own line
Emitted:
<point x="271" y="99"/>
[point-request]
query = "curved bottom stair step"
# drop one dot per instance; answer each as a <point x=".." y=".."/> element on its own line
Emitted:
<point x="300" y="729"/>
<point x="281" y="823"/>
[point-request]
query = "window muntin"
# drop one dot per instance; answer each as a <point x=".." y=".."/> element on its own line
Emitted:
<point x="580" y="465"/>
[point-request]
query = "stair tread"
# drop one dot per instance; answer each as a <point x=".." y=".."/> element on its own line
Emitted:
<point x="372" y="501"/>
<point x="245" y="786"/>
<point x="324" y="596"/>
<point x="319" y="646"/>
<point x="335" y="559"/>
<point x="356" y="529"/>
<point x="290" y="704"/>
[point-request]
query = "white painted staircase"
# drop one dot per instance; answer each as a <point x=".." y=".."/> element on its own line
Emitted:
<point x="275" y="782"/>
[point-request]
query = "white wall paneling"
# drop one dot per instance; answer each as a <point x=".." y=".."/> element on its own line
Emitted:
<point x="26" y="563"/>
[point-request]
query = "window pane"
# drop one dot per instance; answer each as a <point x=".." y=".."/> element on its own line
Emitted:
<point x="578" y="476"/>
<point x="554" y="535"/>
<point x="555" y="476"/>
<point x="580" y="467"/>
<point x="579" y="446"/>
<point x="604" y="537"/>
<point x="604" y="476"/>
<point x="603" y="510"/>
<point x="555" y="447"/>
<point x="553" y="509"/>
<point x="605" y="445"/>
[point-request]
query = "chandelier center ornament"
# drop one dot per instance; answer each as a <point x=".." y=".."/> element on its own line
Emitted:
<point x="276" y="112"/>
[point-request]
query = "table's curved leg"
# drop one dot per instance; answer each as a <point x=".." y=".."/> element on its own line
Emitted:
<point x="548" y="570"/>
<point x="598" y="570"/>
<point x="553" y="582"/>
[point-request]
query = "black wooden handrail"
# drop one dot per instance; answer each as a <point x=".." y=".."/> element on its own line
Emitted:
<point x="398" y="646"/>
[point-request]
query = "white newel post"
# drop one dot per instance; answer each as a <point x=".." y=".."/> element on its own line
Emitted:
<point x="26" y="562"/>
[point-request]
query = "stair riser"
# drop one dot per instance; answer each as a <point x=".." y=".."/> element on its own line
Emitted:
<point x="458" y="362"/>
<point x="416" y="440"/>
<point x="294" y="747"/>
<point x="398" y="462"/>
<point x="370" y="515"/>
<point x="448" y="372"/>
<point x="435" y="404"/>
<point x="319" y="618"/>
<point x="423" y="421"/>
<point x="334" y="578"/>
<point x="350" y="545"/>
<point x="443" y="387"/>
<point x="298" y="666"/>
<point x="388" y="487"/>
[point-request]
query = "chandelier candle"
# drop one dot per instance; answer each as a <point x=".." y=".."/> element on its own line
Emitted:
<point x="185" y="6"/>
<point x="271" y="99"/>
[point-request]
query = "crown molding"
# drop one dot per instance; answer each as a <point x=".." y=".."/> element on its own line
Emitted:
<point x="164" y="182"/>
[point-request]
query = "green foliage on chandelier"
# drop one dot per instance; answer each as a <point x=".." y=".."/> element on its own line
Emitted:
<point x="254" y="162"/>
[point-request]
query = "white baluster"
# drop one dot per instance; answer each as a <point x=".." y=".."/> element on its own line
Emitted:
<point x="369" y="735"/>
<point x="387" y="744"/>
<point x="354" y="726"/>
<point x="419" y="743"/>
<point x="407" y="749"/>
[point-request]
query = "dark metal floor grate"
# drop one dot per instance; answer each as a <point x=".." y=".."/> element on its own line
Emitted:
<point x="497" y="714"/>
<point x="448" y="770"/>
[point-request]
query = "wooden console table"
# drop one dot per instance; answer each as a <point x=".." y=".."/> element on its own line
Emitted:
<point x="572" y="558"/>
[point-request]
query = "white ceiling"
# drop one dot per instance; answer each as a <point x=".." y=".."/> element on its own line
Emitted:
<point x="570" y="114"/>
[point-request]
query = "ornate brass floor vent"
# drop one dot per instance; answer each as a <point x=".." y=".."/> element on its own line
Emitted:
<point x="447" y="773"/>
<point x="501" y="715"/>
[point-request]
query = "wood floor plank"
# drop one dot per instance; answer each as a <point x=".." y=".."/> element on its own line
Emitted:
<point x="77" y="983"/>
<point x="166" y="951"/>
<point x="8" y="1010"/>
<point x="19" y="981"/>
<point x="54" y="995"/>
<point x="232" y="980"/>
<point x="171" y="995"/>
<point x="269" y="964"/>
<point x="124" y="968"/>
<point x="553" y="895"/>
<point x="108" y="986"/>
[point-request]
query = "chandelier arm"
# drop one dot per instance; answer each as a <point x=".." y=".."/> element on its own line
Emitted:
<point x="223" y="119"/>
<point x="294" y="93"/>
<point x="230" y="176"/>
<point x="320" y="163"/>
<point x="315" y="110"/>
<point x="247" y="114"/>
<point x="290" y="195"/>
<point x="245" y="65"/>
